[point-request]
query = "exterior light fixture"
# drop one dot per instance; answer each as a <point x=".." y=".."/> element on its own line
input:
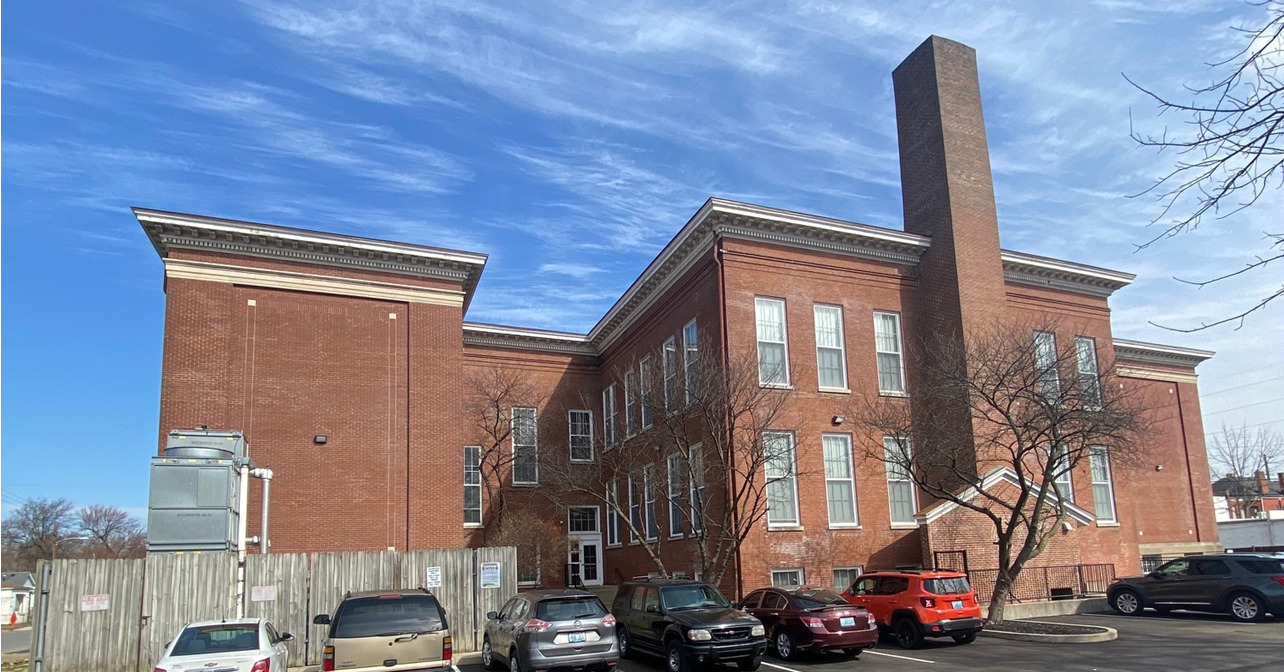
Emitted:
<point x="320" y="439"/>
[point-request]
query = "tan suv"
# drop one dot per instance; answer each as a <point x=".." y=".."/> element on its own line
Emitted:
<point x="387" y="630"/>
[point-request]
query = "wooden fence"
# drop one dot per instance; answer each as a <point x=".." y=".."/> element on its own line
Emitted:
<point x="117" y="615"/>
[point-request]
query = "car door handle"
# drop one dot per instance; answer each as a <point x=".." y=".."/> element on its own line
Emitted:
<point x="407" y="638"/>
<point x="775" y="613"/>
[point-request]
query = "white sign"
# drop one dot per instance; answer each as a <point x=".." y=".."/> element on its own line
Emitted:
<point x="490" y="575"/>
<point x="434" y="578"/>
<point x="94" y="602"/>
<point x="263" y="594"/>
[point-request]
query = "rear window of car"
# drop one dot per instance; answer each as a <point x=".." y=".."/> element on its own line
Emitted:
<point x="951" y="586"/>
<point x="569" y="609"/>
<point x="388" y="615"/>
<point x="216" y="639"/>
<point x="1263" y="566"/>
<point x="813" y="599"/>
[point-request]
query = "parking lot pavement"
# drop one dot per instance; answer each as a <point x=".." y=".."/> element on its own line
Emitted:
<point x="1178" y="641"/>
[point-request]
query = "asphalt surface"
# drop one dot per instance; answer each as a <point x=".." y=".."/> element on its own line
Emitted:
<point x="1178" y="641"/>
<point x="15" y="641"/>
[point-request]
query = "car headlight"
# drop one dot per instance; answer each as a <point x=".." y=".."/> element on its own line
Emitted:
<point x="699" y="635"/>
<point x="758" y="631"/>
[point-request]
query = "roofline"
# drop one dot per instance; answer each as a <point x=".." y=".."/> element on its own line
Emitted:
<point x="1156" y="353"/>
<point x="521" y="338"/>
<point x="990" y="479"/>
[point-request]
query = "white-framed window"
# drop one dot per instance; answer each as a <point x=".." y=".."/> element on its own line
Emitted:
<point x="472" y="486"/>
<point x="691" y="361"/>
<point x="635" y="510"/>
<point x="887" y="346"/>
<point x="580" y="428"/>
<point x="840" y="484"/>
<point x="773" y="351"/>
<point x="782" y="479"/>
<point x="525" y="447"/>
<point x="696" y="485"/>
<point x="645" y="369"/>
<point x="610" y="417"/>
<point x="630" y="404"/>
<point x="786" y="578"/>
<point x="612" y="514"/>
<point x="670" y="363"/>
<point x="831" y="357"/>
<point x="1062" y="479"/>
<point x="581" y="519"/>
<point x="1085" y="350"/>
<point x="648" y="489"/>
<point x="1103" y="487"/>
<point x="1045" y="364"/>
<point x="844" y="577"/>
<point x="901" y="494"/>
<point x="676" y="483"/>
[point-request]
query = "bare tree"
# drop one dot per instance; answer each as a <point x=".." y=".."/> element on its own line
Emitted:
<point x="111" y="532"/>
<point x="706" y="442"/>
<point x="1008" y="402"/>
<point x="1234" y="152"/>
<point x="1235" y="455"/>
<point x="33" y="530"/>
<point x="541" y="544"/>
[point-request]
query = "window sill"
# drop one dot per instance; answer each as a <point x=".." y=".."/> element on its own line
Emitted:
<point x="526" y="485"/>
<point x="846" y="527"/>
<point x="902" y="395"/>
<point x="784" y="528"/>
<point x="776" y="386"/>
<point x="1107" y="523"/>
<point x="473" y="526"/>
<point x="904" y="526"/>
<point x="674" y="536"/>
<point x="834" y="390"/>
<point x="615" y="545"/>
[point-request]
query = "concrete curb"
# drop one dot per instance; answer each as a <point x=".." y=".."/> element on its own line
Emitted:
<point x="1106" y="635"/>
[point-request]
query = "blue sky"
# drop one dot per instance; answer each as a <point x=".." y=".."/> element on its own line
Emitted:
<point x="569" y="142"/>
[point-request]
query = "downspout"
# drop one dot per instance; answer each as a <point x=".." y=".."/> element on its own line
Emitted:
<point x="266" y="475"/>
<point x="726" y="362"/>
<point x="1190" y="480"/>
<point x="243" y="497"/>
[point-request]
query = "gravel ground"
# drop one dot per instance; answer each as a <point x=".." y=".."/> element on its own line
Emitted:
<point x="1042" y="628"/>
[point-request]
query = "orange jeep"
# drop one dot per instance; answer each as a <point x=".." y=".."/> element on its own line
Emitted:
<point x="917" y="603"/>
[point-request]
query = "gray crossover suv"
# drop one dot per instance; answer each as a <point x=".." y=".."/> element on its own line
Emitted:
<point x="1245" y="585"/>
<point x="541" y="630"/>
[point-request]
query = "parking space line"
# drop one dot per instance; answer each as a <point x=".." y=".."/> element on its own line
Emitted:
<point x="892" y="655"/>
<point x="780" y="667"/>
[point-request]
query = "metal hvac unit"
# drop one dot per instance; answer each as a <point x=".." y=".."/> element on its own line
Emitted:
<point x="195" y="495"/>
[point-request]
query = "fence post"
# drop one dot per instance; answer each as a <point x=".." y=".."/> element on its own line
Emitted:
<point x="1083" y="585"/>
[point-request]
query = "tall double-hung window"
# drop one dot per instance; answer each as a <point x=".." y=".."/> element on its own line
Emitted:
<point x="831" y="359"/>
<point x="646" y="368"/>
<point x="782" y="479"/>
<point x="676" y="483"/>
<point x="1103" y="487"/>
<point x="635" y="508"/>
<point x="613" y="522"/>
<point x="648" y="488"/>
<point x="472" y="485"/>
<point x="1062" y="480"/>
<point x="840" y="487"/>
<point x="773" y="353"/>
<point x="691" y="361"/>
<point x="1045" y="365"/>
<point x="1085" y="350"/>
<point x="670" y="363"/>
<point x="696" y="473"/>
<point x="887" y="345"/>
<point x="580" y="429"/>
<point x="525" y="447"/>
<point x="630" y="403"/>
<point x="901" y="494"/>
<point x="610" y="417"/>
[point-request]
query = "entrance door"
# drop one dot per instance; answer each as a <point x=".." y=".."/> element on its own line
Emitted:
<point x="585" y="554"/>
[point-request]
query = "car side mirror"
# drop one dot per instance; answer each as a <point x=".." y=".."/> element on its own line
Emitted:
<point x="286" y="637"/>
<point x="321" y="619"/>
<point x="652" y="609"/>
<point x="492" y="615"/>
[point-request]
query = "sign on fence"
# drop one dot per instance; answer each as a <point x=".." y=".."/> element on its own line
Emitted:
<point x="95" y="602"/>
<point x="263" y="594"/>
<point x="433" y="578"/>
<point x="490" y="577"/>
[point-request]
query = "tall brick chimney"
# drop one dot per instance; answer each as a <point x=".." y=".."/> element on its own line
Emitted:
<point x="946" y="186"/>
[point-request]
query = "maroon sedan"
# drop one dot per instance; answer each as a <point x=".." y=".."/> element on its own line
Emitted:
<point x="811" y="619"/>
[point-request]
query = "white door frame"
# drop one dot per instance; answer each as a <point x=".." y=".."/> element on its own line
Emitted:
<point x="582" y="539"/>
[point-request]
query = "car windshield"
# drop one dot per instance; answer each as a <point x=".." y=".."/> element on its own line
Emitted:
<point x="387" y="615"/>
<point x="220" y="638"/>
<point x="951" y="586"/>
<point x="569" y="609"/>
<point x="692" y="597"/>
<point x="813" y="598"/>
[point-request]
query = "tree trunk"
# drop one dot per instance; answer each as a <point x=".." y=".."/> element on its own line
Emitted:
<point x="999" y="599"/>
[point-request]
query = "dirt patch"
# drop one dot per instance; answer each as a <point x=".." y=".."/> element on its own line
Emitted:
<point x="1042" y="628"/>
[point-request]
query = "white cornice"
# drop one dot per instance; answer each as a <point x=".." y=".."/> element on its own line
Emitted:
<point x="187" y="269"/>
<point x="1154" y="353"/>
<point x="496" y="336"/>
<point x="1028" y="269"/>
<point x="992" y="478"/>
<point x="173" y="230"/>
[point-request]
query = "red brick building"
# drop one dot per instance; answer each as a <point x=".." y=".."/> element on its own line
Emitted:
<point x="290" y="335"/>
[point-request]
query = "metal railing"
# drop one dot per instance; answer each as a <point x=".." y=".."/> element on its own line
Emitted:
<point x="1057" y="582"/>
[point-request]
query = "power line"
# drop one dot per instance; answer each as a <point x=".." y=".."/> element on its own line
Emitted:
<point x="1203" y="395"/>
<point x="1236" y="408"/>
<point x="1260" y="424"/>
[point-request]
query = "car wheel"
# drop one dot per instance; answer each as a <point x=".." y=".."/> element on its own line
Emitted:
<point x="1246" y="608"/>
<point x="749" y="664"/>
<point x="673" y="658"/>
<point x="965" y="639"/>
<point x="1126" y="602"/>
<point x="908" y="636"/>
<point x="784" y="645"/>
<point x="626" y="644"/>
<point x="488" y="656"/>
<point x="514" y="661"/>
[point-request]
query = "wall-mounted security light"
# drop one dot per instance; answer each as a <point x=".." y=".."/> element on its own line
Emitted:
<point x="320" y="439"/>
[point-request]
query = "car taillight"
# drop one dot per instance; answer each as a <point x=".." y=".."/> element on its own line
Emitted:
<point x="813" y="623"/>
<point x="1278" y="579"/>
<point x="536" y="625"/>
<point x="447" y="648"/>
<point x="264" y="665"/>
<point x="609" y="621"/>
<point x="160" y="669"/>
<point x="929" y="602"/>
<point x="327" y="659"/>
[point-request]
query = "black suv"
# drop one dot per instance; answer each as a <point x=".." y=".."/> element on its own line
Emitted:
<point x="687" y="622"/>
<point x="1244" y="585"/>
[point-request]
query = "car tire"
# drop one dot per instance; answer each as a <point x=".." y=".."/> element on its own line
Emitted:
<point x="965" y="639"/>
<point x="1127" y="602"/>
<point x="785" y="648"/>
<point x="907" y="633"/>
<point x="515" y="661"/>
<point x="674" y="659"/>
<point x="1246" y="607"/>
<point x="488" y="656"/>
<point x="624" y="642"/>
<point x="749" y="664"/>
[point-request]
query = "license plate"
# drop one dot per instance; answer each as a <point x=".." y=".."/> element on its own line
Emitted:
<point x="958" y="604"/>
<point x="577" y="637"/>
<point x="847" y="622"/>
